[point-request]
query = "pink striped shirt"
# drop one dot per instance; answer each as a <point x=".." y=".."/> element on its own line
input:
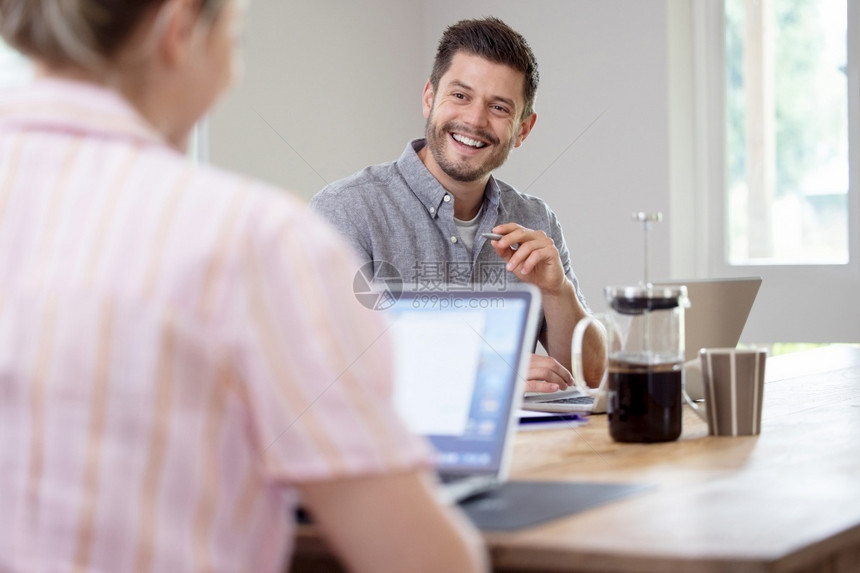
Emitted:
<point x="179" y="346"/>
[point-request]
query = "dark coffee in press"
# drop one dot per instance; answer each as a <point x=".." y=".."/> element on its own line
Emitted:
<point x="644" y="401"/>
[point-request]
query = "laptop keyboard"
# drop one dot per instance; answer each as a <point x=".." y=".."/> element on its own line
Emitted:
<point x="571" y="400"/>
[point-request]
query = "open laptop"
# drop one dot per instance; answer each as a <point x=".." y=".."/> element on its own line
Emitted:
<point x="460" y="361"/>
<point x="718" y="312"/>
<point x="571" y="400"/>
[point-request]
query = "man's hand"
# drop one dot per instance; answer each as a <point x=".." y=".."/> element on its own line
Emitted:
<point x="547" y="375"/>
<point x="533" y="259"/>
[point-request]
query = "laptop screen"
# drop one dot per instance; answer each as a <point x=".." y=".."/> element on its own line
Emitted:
<point x="460" y="362"/>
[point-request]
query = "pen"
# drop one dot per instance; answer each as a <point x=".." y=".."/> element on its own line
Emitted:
<point x="496" y="237"/>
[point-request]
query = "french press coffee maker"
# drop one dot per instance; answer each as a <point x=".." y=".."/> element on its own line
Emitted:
<point x="644" y="330"/>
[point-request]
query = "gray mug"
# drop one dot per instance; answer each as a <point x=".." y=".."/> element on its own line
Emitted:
<point x="733" y="383"/>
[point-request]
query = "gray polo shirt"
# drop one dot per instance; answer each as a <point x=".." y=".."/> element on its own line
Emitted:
<point x="398" y="213"/>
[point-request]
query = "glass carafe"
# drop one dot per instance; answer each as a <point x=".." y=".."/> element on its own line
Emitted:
<point x="644" y="329"/>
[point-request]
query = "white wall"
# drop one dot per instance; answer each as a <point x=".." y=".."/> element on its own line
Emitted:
<point x="331" y="86"/>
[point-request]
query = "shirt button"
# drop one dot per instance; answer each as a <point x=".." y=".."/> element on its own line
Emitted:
<point x="432" y="210"/>
<point x="447" y="198"/>
<point x="453" y="239"/>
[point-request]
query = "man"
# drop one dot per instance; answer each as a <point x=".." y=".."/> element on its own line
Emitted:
<point x="427" y="212"/>
<point x="173" y="376"/>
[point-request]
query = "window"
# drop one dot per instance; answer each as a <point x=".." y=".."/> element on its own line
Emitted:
<point x="14" y="68"/>
<point x="764" y="102"/>
<point x="786" y="132"/>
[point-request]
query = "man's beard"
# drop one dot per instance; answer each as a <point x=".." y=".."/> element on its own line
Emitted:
<point x="463" y="171"/>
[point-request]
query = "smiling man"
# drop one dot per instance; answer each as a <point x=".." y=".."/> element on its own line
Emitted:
<point x="426" y="213"/>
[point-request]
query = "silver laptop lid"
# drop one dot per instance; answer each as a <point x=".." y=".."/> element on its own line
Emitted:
<point x="461" y="360"/>
<point x="718" y="311"/>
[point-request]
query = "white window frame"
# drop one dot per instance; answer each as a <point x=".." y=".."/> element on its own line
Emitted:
<point x="14" y="68"/>
<point x="797" y="303"/>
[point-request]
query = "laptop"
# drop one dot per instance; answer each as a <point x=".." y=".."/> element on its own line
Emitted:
<point x="460" y="364"/>
<point x="718" y="312"/>
<point x="571" y="400"/>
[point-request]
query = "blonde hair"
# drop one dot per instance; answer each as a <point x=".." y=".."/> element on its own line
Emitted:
<point x="82" y="33"/>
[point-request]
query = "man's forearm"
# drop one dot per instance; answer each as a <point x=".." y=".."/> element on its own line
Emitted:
<point x="563" y="311"/>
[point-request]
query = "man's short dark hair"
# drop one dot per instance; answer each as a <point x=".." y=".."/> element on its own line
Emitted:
<point x="491" y="39"/>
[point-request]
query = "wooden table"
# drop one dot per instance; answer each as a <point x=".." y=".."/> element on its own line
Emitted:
<point x="785" y="501"/>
